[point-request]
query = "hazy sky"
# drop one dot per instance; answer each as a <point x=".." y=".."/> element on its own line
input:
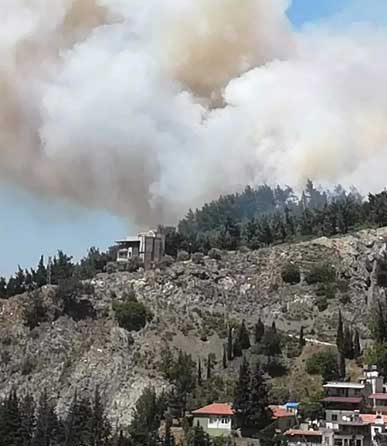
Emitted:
<point x="30" y="227"/>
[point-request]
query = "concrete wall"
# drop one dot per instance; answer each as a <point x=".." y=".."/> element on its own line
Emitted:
<point x="210" y="428"/>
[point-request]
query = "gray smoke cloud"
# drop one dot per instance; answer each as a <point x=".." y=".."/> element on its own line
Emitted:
<point x="146" y="108"/>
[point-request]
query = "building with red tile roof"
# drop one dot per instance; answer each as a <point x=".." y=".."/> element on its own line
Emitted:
<point x="215" y="419"/>
<point x="215" y="409"/>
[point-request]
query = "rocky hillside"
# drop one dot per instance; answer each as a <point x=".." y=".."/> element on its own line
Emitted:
<point x="193" y="302"/>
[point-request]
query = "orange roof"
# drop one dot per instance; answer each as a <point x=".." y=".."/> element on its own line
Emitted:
<point x="215" y="409"/>
<point x="371" y="417"/>
<point x="302" y="433"/>
<point x="281" y="412"/>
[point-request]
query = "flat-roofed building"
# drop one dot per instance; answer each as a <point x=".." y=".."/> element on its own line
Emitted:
<point x="147" y="246"/>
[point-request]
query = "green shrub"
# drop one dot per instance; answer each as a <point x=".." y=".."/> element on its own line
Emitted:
<point x="183" y="256"/>
<point x="197" y="258"/>
<point x="27" y="366"/>
<point x="323" y="363"/>
<point x="321" y="273"/>
<point x="131" y="315"/>
<point x="322" y="303"/>
<point x="70" y="295"/>
<point x="327" y="290"/>
<point x="290" y="273"/>
<point x="215" y="254"/>
<point x="36" y="311"/>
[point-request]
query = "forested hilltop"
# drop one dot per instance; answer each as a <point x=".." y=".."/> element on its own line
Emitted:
<point x="262" y="216"/>
<point x="255" y="218"/>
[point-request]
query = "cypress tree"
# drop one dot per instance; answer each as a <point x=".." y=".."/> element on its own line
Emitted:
<point x="301" y="340"/>
<point x="209" y="367"/>
<point x="224" y="357"/>
<point x="48" y="431"/>
<point x="348" y="349"/>
<point x="244" y="337"/>
<point x="341" y="365"/>
<point x="78" y="423"/>
<point x="340" y="334"/>
<point x="11" y="422"/>
<point x="356" y="345"/>
<point x="229" y="345"/>
<point x="14" y="419"/>
<point x="381" y="324"/>
<point x="199" y="437"/>
<point x="27" y="415"/>
<point x="273" y="328"/>
<point x="236" y="349"/>
<point x="169" y="439"/>
<point x="259" y="331"/>
<point x="100" y="426"/>
<point x="259" y="414"/>
<point x="242" y="391"/>
<point x="199" y="373"/>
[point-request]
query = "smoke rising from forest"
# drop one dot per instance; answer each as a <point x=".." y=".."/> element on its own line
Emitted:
<point x="147" y="108"/>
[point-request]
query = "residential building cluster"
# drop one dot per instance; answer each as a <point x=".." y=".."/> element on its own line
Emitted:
<point x="354" y="414"/>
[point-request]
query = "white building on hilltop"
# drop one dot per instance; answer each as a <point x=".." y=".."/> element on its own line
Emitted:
<point x="147" y="246"/>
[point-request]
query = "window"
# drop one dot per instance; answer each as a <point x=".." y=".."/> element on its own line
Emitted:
<point x="212" y="422"/>
<point x="358" y="443"/>
<point x="122" y="254"/>
<point x="334" y="417"/>
<point x="338" y="442"/>
<point x="225" y="420"/>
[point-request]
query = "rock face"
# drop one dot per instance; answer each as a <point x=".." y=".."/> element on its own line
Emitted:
<point x="193" y="301"/>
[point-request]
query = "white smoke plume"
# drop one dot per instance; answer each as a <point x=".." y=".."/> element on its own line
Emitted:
<point x="148" y="107"/>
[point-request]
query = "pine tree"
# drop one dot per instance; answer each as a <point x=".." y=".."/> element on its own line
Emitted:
<point x="356" y="345"/>
<point x="259" y="331"/>
<point x="39" y="276"/>
<point x="224" y="357"/>
<point x="244" y="337"/>
<point x="340" y="334"/>
<point x="199" y="373"/>
<point x="301" y="340"/>
<point x="259" y="414"/>
<point x="229" y="345"/>
<point x="3" y="288"/>
<point x="242" y="391"/>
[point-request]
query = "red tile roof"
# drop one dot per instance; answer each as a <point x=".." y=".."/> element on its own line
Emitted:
<point x="371" y="417"/>
<point x="378" y="396"/>
<point x="303" y="433"/>
<point x="215" y="409"/>
<point x="343" y="399"/>
<point x="281" y="412"/>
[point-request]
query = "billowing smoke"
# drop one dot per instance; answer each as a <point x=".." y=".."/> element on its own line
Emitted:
<point x="149" y="107"/>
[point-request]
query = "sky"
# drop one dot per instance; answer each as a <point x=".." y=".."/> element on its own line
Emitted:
<point x="30" y="227"/>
